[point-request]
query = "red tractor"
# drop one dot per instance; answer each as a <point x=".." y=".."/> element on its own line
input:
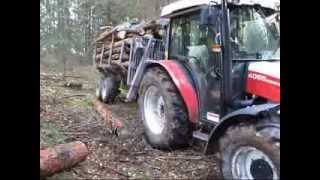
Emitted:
<point x="214" y="76"/>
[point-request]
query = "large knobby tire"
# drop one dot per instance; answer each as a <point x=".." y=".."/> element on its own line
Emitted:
<point x="246" y="154"/>
<point x="109" y="87"/>
<point x="163" y="111"/>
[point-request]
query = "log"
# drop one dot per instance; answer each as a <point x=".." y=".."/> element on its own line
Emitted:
<point x="115" y="50"/>
<point x="113" y="57"/>
<point x="73" y="85"/>
<point x="112" y="122"/>
<point x="117" y="56"/>
<point x="120" y="35"/>
<point x="106" y="28"/>
<point x="74" y="95"/>
<point x="117" y="43"/>
<point x="152" y="25"/>
<point x="123" y="64"/>
<point x="106" y="34"/>
<point x="61" y="157"/>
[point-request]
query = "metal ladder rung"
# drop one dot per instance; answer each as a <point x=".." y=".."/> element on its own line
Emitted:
<point x="200" y="135"/>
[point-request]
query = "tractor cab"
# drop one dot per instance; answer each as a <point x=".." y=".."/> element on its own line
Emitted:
<point x="217" y="45"/>
<point x="214" y="77"/>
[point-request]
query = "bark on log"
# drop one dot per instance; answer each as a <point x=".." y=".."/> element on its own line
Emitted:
<point x="125" y="57"/>
<point x="105" y="34"/>
<point x="129" y="33"/>
<point x="112" y="122"/>
<point x="152" y="25"/>
<point x="117" y="56"/>
<point x="120" y="35"/>
<point x="115" y="50"/>
<point x="61" y="157"/>
<point x="118" y="43"/>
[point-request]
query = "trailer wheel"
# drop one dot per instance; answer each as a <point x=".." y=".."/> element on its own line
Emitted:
<point x="98" y="89"/>
<point x="163" y="112"/>
<point x="109" y="89"/>
<point x="246" y="154"/>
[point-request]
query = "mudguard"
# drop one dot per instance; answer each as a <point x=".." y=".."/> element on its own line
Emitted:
<point x="242" y="115"/>
<point x="183" y="84"/>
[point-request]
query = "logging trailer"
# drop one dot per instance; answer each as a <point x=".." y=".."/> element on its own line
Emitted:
<point x="211" y="74"/>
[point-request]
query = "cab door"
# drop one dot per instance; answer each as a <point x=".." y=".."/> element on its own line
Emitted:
<point x="190" y="44"/>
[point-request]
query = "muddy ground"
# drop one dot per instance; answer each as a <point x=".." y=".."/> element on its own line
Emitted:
<point x="66" y="115"/>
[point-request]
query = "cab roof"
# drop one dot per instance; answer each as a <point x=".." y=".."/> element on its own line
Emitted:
<point x="185" y="4"/>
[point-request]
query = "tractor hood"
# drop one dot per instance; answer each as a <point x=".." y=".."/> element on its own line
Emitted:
<point x="263" y="80"/>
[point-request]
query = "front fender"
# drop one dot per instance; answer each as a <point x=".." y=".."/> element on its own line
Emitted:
<point x="183" y="84"/>
<point x="248" y="114"/>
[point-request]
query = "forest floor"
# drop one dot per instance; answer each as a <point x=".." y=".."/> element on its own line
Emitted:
<point x="65" y="117"/>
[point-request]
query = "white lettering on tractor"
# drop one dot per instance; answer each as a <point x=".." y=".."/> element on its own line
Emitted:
<point x="263" y="78"/>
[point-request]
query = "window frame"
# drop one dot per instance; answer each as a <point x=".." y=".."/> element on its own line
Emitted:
<point x="181" y="16"/>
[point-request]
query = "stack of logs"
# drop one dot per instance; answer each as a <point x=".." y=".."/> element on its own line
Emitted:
<point x="113" y="46"/>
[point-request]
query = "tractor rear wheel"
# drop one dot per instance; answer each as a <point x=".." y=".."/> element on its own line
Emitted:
<point x="109" y="87"/>
<point x="163" y="112"/>
<point x="246" y="154"/>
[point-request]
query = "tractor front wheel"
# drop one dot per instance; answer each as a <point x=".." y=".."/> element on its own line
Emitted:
<point x="163" y="112"/>
<point x="247" y="154"/>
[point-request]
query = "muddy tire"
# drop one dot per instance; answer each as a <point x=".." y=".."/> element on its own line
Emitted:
<point x="109" y="87"/>
<point x="98" y="89"/>
<point x="246" y="154"/>
<point x="163" y="112"/>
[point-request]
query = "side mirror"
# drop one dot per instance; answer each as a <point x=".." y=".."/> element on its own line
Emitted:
<point x="209" y="15"/>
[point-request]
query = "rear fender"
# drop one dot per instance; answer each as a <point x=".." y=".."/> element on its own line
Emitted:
<point x="254" y="114"/>
<point x="183" y="84"/>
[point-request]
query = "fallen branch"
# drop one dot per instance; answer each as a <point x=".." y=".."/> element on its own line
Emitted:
<point x="75" y="95"/>
<point x="70" y="76"/>
<point x="179" y="157"/>
<point x="59" y="75"/>
<point x="73" y="85"/>
<point x="75" y="133"/>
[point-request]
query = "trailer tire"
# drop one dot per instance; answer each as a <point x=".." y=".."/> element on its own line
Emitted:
<point x="98" y="89"/>
<point x="109" y="88"/>
<point x="163" y="111"/>
<point x="246" y="154"/>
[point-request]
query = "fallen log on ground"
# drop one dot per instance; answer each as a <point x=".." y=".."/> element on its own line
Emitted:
<point x="112" y="122"/>
<point x="61" y="157"/>
<point x="73" y="85"/>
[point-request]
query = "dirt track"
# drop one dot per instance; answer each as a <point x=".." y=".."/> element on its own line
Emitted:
<point x="65" y="118"/>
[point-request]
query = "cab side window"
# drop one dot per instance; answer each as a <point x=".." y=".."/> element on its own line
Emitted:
<point x="190" y="39"/>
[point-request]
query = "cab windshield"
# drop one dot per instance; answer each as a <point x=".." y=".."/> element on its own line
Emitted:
<point x="255" y="33"/>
